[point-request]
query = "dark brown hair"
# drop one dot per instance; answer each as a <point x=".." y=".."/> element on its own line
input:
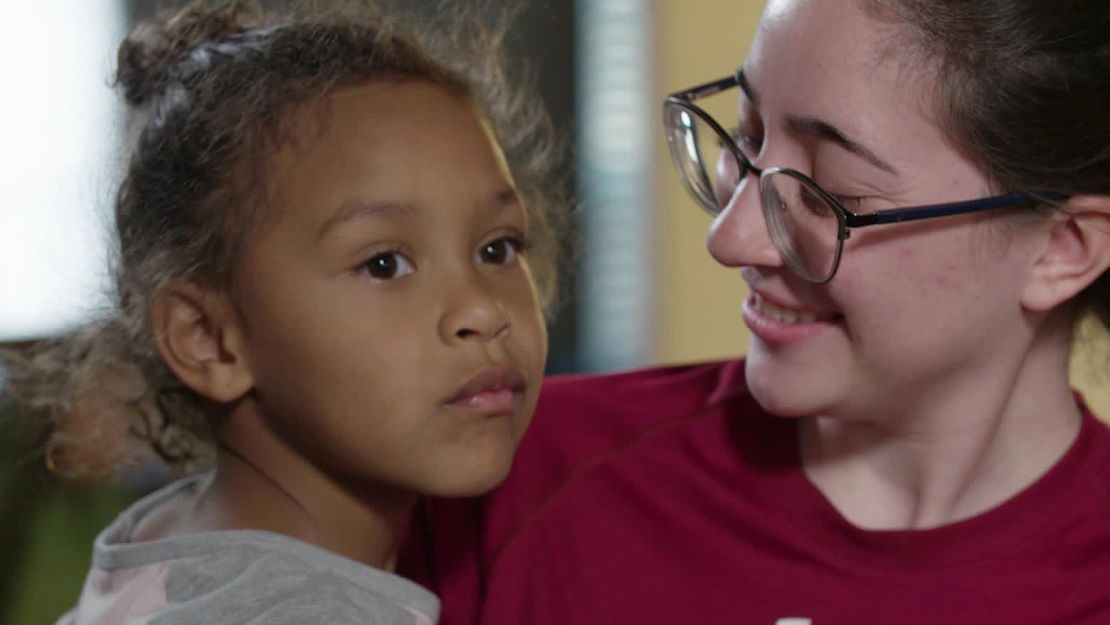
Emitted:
<point x="211" y="87"/>
<point x="1024" y="89"/>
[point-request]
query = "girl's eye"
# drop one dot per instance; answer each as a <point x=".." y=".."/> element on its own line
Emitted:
<point x="387" y="266"/>
<point x="501" y="251"/>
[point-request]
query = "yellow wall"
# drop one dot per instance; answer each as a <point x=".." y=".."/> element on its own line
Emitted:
<point x="698" y="301"/>
<point x="697" y="308"/>
<point x="1090" y="367"/>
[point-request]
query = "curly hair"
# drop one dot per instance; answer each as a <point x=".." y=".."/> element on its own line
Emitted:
<point x="211" y="87"/>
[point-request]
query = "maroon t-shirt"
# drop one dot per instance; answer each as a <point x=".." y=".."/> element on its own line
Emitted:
<point x="668" y="497"/>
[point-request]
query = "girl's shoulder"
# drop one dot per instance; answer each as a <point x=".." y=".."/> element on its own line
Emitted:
<point x="236" y="576"/>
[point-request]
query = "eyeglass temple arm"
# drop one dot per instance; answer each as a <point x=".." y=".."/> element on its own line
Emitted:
<point x="914" y="213"/>
<point x="706" y="89"/>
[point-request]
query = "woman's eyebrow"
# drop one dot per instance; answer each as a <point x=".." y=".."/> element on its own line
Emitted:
<point x="820" y="129"/>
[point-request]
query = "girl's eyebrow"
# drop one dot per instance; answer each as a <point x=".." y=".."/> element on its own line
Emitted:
<point x="821" y="129"/>
<point x="505" y="198"/>
<point x="361" y="209"/>
<point x="355" y="209"/>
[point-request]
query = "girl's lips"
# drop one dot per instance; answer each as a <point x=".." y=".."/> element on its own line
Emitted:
<point x="775" y="324"/>
<point x="493" y="401"/>
<point x="491" y="391"/>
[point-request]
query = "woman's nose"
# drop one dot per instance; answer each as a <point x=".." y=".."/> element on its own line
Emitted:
<point x="474" y="313"/>
<point x="739" y="236"/>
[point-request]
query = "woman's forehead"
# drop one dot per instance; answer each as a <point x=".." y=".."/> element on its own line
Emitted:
<point x="833" y="61"/>
<point x="825" y="43"/>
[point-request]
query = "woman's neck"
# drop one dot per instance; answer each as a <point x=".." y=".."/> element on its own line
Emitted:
<point x="991" y="435"/>
<point x="262" y="483"/>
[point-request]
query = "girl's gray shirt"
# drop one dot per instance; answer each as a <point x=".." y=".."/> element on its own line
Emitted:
<point x="236" y="577"/>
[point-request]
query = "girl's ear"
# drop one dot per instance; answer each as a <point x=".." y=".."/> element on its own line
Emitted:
<point x="201" y="341"/>
<point x="1076" y="252"/>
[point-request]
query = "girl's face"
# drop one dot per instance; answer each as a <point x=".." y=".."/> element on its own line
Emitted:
<point x="916" y="310"/>
<point x="391" y="320"/>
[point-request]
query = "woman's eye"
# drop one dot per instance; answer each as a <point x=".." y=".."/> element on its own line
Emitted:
<point x="501" y="251"/>
<point x="387" y="266"/>
<point x="814" y="203"/>
<point x="745" y="142"/>
<point x="850" y="201"/>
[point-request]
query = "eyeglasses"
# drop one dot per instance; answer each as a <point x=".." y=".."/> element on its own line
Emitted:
<point x="807" y="224"/>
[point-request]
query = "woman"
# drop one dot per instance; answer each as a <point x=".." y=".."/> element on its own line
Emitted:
<point x="900" y="444"/>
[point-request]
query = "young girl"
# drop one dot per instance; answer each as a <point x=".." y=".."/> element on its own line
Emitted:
<point x="327" y="270"/>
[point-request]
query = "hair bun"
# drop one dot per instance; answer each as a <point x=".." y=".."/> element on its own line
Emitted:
<point x="150" y="52"/>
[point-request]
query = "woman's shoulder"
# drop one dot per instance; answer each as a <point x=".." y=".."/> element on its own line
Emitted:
<point x="651" y="393"/>
<point x="585" y="414"/>
<point x="585" y="419"/>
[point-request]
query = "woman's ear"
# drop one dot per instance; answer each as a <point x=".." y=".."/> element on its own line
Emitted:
<point x="201" y="340"/>
<point x="1076" y="252"/>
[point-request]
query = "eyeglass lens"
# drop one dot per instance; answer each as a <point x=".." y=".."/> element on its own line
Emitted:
<point x="801" y="222"/>
<point x="707" y="166"/>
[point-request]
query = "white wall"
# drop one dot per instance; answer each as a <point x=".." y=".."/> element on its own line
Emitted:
<point x="59" y="128"/>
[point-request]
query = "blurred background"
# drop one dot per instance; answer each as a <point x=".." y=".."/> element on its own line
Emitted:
<point x="645" y="291"/>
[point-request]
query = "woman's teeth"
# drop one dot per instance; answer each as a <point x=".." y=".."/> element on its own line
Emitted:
<point x="783" y="315"/>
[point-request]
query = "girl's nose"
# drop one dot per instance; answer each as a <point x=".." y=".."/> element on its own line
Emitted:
<point x="738" y="236"/>
<point x="474" y="313"/>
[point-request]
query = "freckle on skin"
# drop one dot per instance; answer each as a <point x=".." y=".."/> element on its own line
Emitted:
<point x="947" y="270"/>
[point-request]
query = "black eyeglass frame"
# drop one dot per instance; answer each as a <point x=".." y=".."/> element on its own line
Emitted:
<point x="846" y="219"/>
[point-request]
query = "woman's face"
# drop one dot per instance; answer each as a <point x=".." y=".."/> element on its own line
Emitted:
<point x="915" y="309"/>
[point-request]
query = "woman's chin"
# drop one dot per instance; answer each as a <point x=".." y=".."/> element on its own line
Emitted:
<point x="780" y="390"/>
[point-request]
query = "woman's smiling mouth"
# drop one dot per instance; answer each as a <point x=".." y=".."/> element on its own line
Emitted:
<point x="773" y="311"/>
<point x="777" y="324"/>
